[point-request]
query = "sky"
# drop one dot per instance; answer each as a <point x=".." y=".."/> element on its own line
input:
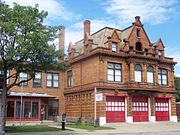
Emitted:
<point x="161" y="18"/>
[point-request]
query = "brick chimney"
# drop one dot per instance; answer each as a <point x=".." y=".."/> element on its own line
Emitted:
<point x="137" y="18"/>
<point x="86" y="28"/>
<point x="61" y="37"/>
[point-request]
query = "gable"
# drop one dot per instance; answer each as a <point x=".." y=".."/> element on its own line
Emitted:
<point x="138" y="34"/>
<point x="115" y="36"/>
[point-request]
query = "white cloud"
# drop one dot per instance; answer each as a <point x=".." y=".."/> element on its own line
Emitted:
<point x="54" y="7"/>
<point x="177" y="75"/>
<point x="173" y="53"/>
<point x="151" y="11"/>
<point x="74" y="32"/>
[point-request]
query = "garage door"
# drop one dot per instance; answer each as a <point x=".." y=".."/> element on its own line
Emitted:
<point x="140" y="108"/>
<point x="162" y="109"/>
<point x="115" y="109"/>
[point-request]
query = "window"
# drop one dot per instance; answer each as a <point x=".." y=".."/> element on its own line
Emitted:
<point x="162" y="76"/>
<point x="69" y="79"/>
<point x="114" y="47"/>
<point x="160" y="53"/>
<point x="23" y="76"/>
<point x="138" y="32"/>
<point x="53" y="106"/>
<point x="18" y="109"/>
<point x="37" y="79"/>
<point x="138" y="73"/>
<point x="52" y="80"/>
<point x="138" y="46"/>
<point x="8" y="74"/>
<point x="27" y="109"/>
<point x="35" y="109"/>
<point x="10" y="109"/>
<point x="150" y="74"/>
<point x="114" y="72"/>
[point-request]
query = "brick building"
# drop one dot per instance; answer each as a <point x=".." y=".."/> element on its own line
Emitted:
<point x="132" y="78"/>
<point x="41" y="98"/>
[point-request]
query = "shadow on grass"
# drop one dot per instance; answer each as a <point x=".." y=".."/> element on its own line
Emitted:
<point x="30" y="128"/>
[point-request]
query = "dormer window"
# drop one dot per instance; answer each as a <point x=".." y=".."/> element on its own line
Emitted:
<point x="138" y="46"/>
<point x="114" y="45"/>
<point x="160" y="53"/>
<point x="138" y="32"/>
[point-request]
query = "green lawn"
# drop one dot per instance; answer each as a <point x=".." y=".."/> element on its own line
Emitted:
<point x="87" y="127"/>
<point x="34" y="128"/>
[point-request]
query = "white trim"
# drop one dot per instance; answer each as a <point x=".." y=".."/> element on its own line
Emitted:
<point x="129" y="119"/>
<point x="170" y="109"/>
<point x="153" y="119"/>
<point x="102" y="121"/>
<point x="173" y="118"/>
<point x="149" y="109"/>
<point x="125" y="109"/>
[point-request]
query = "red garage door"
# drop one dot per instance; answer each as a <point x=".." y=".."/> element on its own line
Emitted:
<point x="162" y="109"/>
<point x="115" y="109"/>
<point x="140" y="108"/>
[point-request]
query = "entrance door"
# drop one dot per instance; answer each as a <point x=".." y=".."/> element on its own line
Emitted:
<point x="115" y="109"/>
<point x="162" y="109"/>
<point x="43" y="112"/>
<point x="140" y="108"/>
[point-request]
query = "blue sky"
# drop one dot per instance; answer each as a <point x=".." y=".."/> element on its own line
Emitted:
<point x="161" y="18"/>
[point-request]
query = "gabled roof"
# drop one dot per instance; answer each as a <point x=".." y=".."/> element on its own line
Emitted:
<point x="100" y="37"/>
<point x="158" y="42"/>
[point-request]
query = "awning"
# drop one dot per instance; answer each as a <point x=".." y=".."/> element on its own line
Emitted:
<point x="24" y="94"/>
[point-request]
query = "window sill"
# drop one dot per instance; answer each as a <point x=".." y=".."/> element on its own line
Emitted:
<point x="119" y="82"/>
<point x="52" y="87"/>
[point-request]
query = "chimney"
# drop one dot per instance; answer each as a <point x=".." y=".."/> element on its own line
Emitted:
<point x="61" y="37"/>
<point x="137" y="18"/>
<point x="86" y="28"/>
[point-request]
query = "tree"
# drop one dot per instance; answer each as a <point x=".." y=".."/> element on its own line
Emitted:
<point x="177" y="85"/>
<point x="26" y="44"/>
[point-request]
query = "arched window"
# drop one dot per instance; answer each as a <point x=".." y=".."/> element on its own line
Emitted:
<point x="138" y="46"/>
<point x="138" y="73"/>
<point x="150" y="74"/>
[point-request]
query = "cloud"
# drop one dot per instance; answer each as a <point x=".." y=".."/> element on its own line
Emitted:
<point x="55" y="8"/>
<point x="177" y="75"/>
<point x="173" y="52"/>
<point x="74" y="32"/>
<point x="151" y="11"/>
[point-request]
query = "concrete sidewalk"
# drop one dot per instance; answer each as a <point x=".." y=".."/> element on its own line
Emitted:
<point x="120" y="128"/>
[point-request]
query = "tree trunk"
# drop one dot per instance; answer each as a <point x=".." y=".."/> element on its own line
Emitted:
<point x="2" y="112"/>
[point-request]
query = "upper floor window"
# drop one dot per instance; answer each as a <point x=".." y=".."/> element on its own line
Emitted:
<point x="160" y="53"/>
<point x="114" y="72"/>
<point x="138" y="46"/>
<point x="162" y="76"/>
<point x="52" y="80"/>
<point x="114" y="45"/>
<point x="8" y="74"/>
<point x="150" y="74"/>
<point x="138" y="32"/>
<point x="37" y="79"/>
<point x="69" y="78"/>
<point x="23" y="76"/>
<point x="138" y="73"/>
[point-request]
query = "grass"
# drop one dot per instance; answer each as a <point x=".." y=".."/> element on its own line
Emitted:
<point x="30" y="128"/>
<point x="88" y="127"/>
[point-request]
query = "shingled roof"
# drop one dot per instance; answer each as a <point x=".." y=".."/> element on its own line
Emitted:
<point x="100" y="37"/>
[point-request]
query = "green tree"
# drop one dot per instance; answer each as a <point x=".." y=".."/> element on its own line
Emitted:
<point x="177" y="85"/>
<point x="26" y="44"/>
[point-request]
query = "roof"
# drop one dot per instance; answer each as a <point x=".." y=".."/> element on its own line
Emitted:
<point x="100" y="37"/>
<point x="24" y="94"/>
